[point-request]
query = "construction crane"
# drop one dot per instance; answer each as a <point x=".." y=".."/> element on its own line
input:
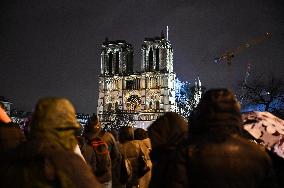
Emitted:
<point x="229" y="55"/>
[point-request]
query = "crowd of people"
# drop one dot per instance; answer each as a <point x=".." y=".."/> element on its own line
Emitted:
<point x="211" y="149"/>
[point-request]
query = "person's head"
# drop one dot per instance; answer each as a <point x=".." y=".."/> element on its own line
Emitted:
<point x="166" y="133"/>
<point x="168" y="130"/>
<point x="54" y="120"/>
<point x="126" y="133"/>
<point x="140" y="134"/>
<point x="218" y="108"/>
<point x="93" y="127"/>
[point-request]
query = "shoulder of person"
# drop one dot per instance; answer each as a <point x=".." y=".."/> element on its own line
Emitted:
<point x="75" y="168"/>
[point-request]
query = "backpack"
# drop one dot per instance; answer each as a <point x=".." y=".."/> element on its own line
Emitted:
<point x="102" y="158"/>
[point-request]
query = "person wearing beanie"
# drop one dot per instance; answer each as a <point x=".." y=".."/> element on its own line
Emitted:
<point x="47" y="159"/>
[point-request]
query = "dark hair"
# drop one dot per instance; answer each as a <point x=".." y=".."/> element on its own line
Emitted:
<point x="126" y="133"/>
<point x="93" y="119"/>
<point x="93" y="125"/>
<point x="140" y="134"/>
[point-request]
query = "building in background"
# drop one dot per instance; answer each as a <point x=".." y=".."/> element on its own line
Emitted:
<point x="141" y="96"/>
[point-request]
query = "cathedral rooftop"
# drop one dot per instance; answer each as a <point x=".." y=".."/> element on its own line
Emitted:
<point x="116" y="42"/>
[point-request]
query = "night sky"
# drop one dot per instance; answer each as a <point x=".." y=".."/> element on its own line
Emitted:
<point x="52" y="47"/>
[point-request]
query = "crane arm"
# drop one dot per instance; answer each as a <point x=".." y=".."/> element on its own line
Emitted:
<point x="228" y="56"/>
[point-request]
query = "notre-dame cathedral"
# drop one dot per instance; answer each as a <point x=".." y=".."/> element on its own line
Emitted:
<point x="144" y="94"/>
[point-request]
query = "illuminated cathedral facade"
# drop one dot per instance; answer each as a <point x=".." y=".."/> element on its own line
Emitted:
<point x="144" y="95"/>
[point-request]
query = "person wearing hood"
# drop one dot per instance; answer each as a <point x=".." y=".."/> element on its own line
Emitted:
<point x="218" y="155"/>
<point x="47" y="159"/>
<point x="167" y="134"/>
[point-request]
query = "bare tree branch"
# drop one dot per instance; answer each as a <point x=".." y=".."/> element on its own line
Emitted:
<point x="268" y="92"/>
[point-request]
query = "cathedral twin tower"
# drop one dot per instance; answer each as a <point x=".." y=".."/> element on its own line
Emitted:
<point x="144" y="95"/>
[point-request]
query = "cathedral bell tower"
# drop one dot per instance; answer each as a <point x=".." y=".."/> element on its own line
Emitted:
<point x="158" y="78"/>
<point x="157" y="55"/>
<point x="116" y="58"/>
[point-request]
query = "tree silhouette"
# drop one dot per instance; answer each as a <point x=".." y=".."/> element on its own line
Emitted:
<point x="187" y="97"/>
<point x="268" y="93"/>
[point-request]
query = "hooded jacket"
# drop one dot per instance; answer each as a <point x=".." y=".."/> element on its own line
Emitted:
<point x="47" y="159"/>
<point x="217" y="154"/>
<point x="167" y="134"/>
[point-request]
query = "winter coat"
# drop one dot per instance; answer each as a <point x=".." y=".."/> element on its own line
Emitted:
<point x="35" y="165"/>
<point x="167" y="133"/>
<point x="131" y="150"/>
<point x="47" y="159"/>
<point x="93" y="129"/>
<point x="90" y="157"/>
<point x="146" y="148"/>
<point x="217" y="155"/>
<point x="10" y="136"/>
<point x="233" y="162"/>
<point x="278" y="166"/>
<point x="115" y="156"/>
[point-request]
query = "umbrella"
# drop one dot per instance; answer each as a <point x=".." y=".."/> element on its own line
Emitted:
<point x="3" y="116"/>
<point x="267" y="129"/>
